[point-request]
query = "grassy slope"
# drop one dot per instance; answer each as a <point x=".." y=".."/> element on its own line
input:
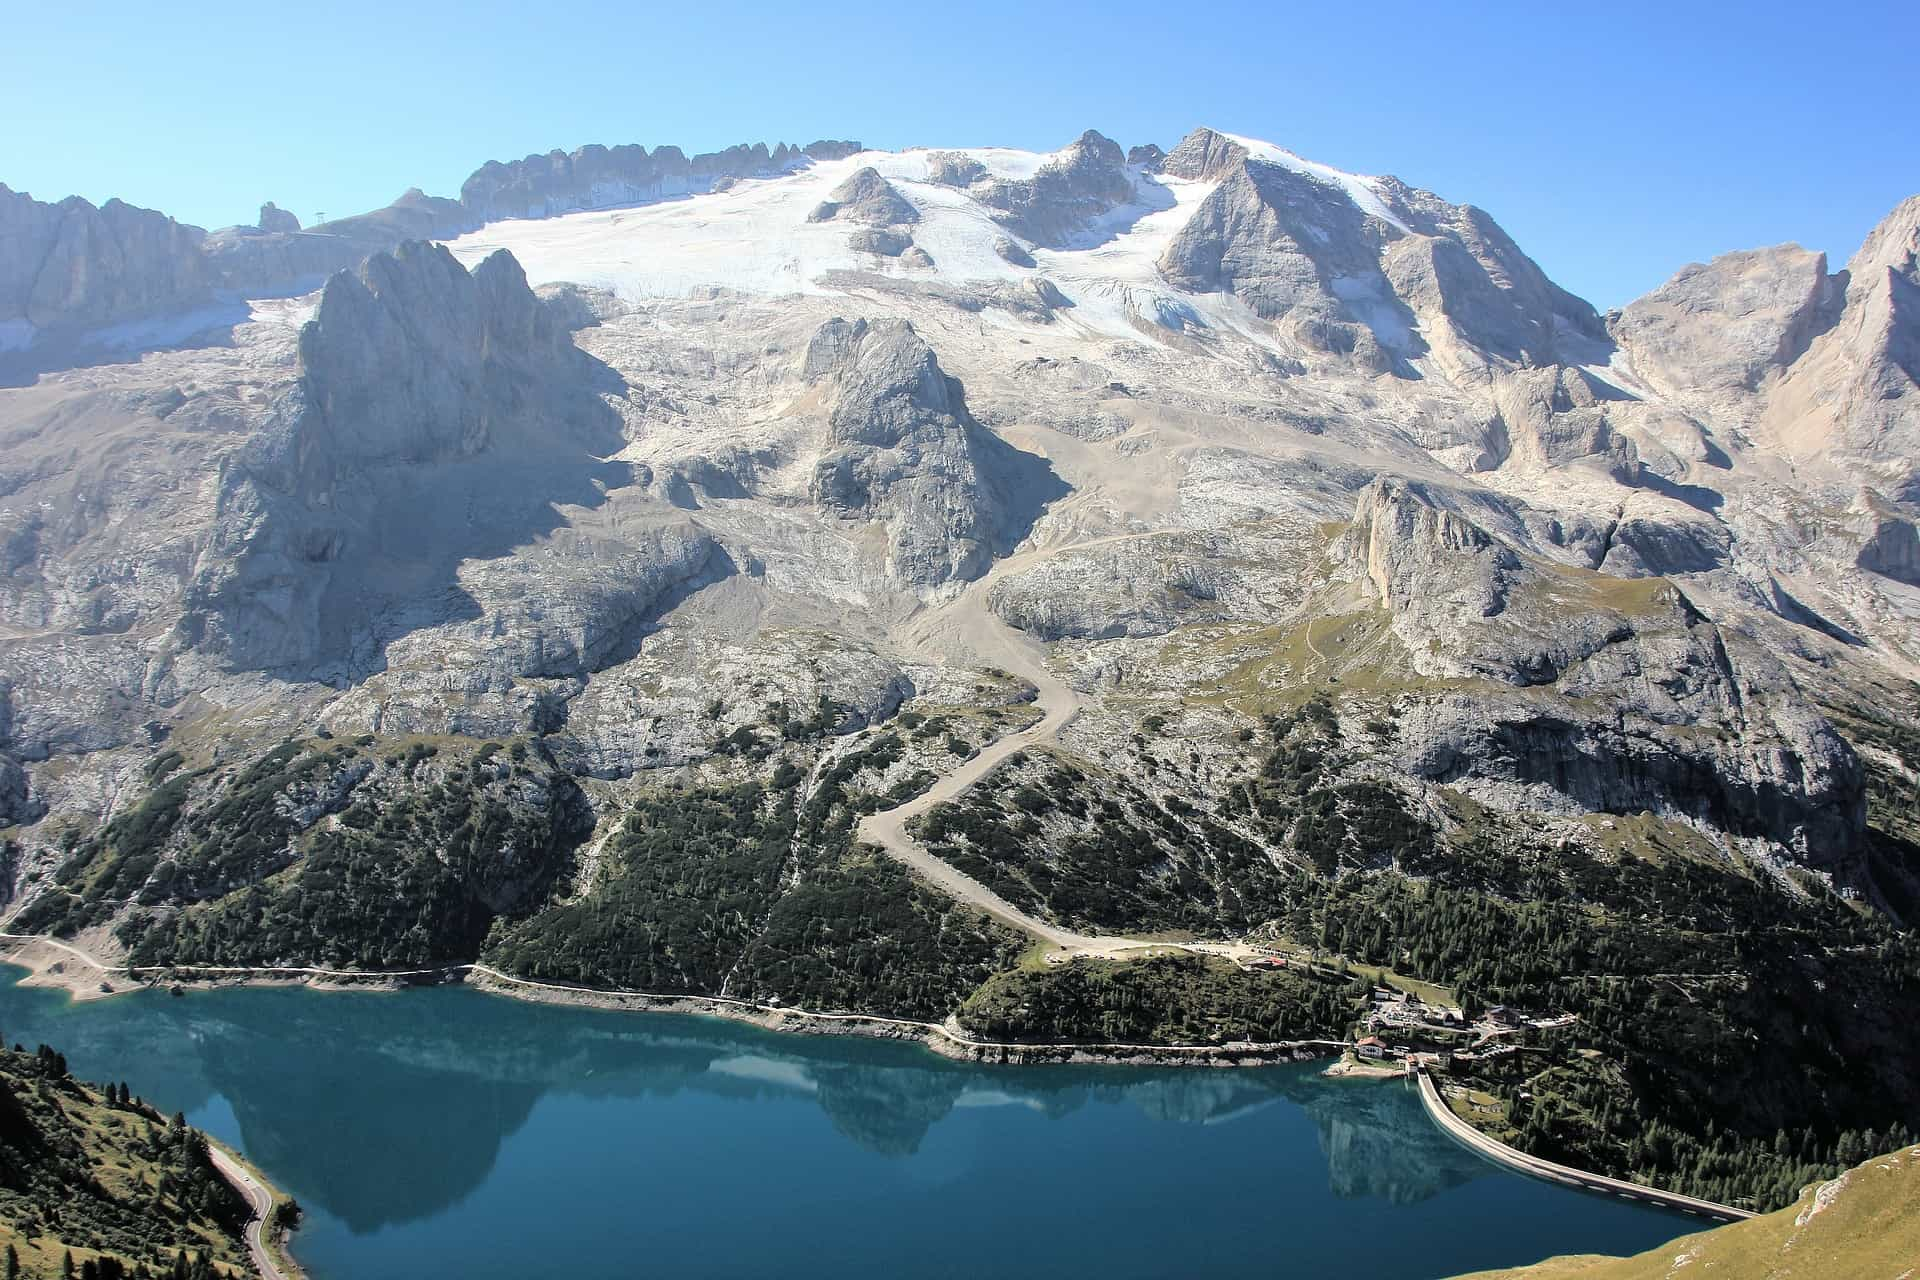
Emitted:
<point x="1865" y="1225"/>
<point x="78" y="1173"/>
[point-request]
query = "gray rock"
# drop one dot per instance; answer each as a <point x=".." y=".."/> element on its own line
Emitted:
<point x="882" y="242"/>
<point x="903" y="450"/>
<point x="274" y="218"/>
<point x="1011" y="251"/>
<point x="1203" y="156"/>
<point x="868" y="199"/>
<point x="413" y="371"/>
<point x="1727" y="325"/>
<point x="954" y="169"/>
<point x="1147" y="157"/>
<point x="1437" y="280"/>
<point x="831" y="149"/>
<point x="597" y="177"/>
<point x="73" y="266"/>
<point x="1055" y="205"/>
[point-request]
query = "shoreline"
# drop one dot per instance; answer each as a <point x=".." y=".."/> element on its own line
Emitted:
<point x="59" y="965"/>
<point x="269" y="1242"/>
<point x="1496" y="1152"/>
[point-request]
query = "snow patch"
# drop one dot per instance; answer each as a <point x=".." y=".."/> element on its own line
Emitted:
<point x="755" y="238"/>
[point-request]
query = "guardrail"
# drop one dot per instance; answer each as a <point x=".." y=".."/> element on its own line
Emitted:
<point x="1533" y="1166"/>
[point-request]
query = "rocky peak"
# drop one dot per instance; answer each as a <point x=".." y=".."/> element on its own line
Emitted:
<point x="1147" y="157"/>
<point x="1893" y="246"/>
<point x="1084" y="180"/>
<point x="415" y="358"/>
<point x="1854" y="396"/>
<point x="866" y="198"/>
<point x="274" y="218"/>
<point x="1420" y="555"/>
<point x="886" y="381"/>
<point x="1203" y="156"/>
<point x="1726" y="325"/>
<point x="903" y="450"/>
<point x="1366" y="268"/>
<point x="72" y="266"/>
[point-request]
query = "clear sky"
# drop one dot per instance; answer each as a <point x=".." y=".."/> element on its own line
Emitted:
<point x="1615" y="142"/>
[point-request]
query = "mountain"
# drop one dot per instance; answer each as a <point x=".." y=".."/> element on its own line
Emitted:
<point x="1863" y="1225"/>
<point x="1332" y="565"/>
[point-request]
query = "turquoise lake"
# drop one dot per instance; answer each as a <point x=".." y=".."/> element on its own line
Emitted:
<point x="450" y="1133"/>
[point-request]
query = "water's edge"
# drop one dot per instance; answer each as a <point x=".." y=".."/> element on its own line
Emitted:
<point x="46" y="958"/>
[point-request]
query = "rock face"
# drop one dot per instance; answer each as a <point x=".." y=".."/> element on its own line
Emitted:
<point x="1365" y="267"/>
<point x="1731" y="323"/>
<point x="274" y="218"/>
<point x="595" y="177"/>
<point x="71" y="265"/>
<point x="831" y="149"/>
<point x="416" y="373"/>
<point x="1077" y="185"/>
<point x="1856" y="391"/>
<point x="903" y="450"/>
<point x="868" y="199"/>
<point x="1203" y="156"/>
<point x="1465" y="605"/>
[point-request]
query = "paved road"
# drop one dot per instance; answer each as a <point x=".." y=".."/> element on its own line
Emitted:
<point x="1501" y="1154"/>
<point x="261" y="1201"/>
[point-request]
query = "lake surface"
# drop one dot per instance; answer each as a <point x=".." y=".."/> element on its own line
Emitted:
<point x="451" y="1133"/>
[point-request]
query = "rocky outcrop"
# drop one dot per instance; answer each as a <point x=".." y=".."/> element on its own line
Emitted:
<point x="954" y="168"/>
<point x="831" y="149"/>
<point x="1855" y="394"/>
<point x="1727" y="325"/>
<point x="274" y="218"/>
<point x="868" y="199"/>
<point x="596" y="177"/>
<point x="1633" y="699"/>
<point x="1147" y="157"/>
<point x="1070" y="190"/>
<point x="903" y="450"/>
<point x="410" y="369"/>
<point x="1558" y="416"/>
<point x="882" y="242"/>
<point x="1365" y="267"/>
<point x="73" y="266"/>
<point x="1203" y="156"/>
<point x="415" y="358"/>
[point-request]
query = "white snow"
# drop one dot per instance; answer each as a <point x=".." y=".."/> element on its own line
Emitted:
<point x="755" y="238"/>
<point x="1359" y="187"/>
<point x="292" y="312"/>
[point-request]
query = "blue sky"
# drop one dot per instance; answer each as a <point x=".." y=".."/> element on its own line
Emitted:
<point x="1615" y="142"/>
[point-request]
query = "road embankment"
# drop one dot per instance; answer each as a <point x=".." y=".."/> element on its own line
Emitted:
<point x="1501" y="1154"/>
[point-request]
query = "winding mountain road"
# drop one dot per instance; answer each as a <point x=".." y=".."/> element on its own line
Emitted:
<point x="968" y="625"/>
<point x="261" y="1201"/>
